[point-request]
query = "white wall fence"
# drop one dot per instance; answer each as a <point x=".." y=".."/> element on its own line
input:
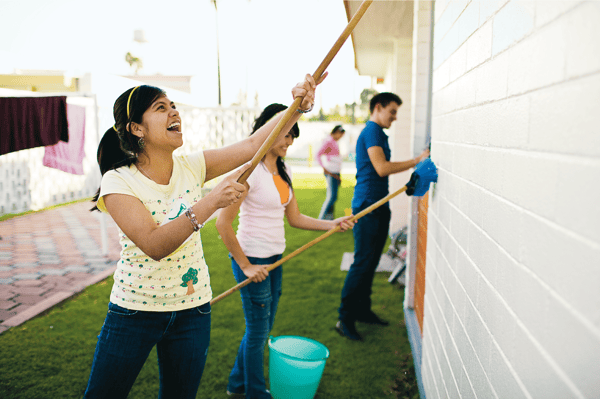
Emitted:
<point x="26" y="184"/>
<point x="215" y="127"/>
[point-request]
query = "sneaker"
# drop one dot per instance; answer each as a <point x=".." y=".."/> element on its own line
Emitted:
<point x="348" y="330"/>
<point x="372" y="318"/>
<point x="242" y="395"/>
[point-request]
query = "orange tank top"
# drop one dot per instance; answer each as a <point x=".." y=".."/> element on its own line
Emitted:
<point x="282" y="188"/>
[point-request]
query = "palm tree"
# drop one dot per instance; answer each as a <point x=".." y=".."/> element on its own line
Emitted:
<point x="131" y="60"/>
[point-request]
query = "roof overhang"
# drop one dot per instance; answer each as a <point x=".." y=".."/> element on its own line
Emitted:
<point x="384" y="23"/>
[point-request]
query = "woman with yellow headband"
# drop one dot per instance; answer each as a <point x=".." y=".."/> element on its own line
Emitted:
<point x="161" y="293"/>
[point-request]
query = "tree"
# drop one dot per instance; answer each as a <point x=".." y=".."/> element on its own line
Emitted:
<point x="131" y="60"/>
<point x="189" y="279"/>
<point x="342" y="114"/>
<point x="321" y="116"/>
<point x="365" y="97"/>
<point x="351" y="110"/>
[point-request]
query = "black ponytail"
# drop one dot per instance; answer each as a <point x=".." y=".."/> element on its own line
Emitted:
<point x="283" y="172"/>
<point x="268" y="113"/>
<point x="119" y="147"/>
<point x="111" y="154"/>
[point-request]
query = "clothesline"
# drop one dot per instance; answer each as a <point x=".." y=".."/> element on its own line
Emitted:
<point x="8" y="94"/>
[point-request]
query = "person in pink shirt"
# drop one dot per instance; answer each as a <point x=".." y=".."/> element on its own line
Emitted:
<point x="330" y="160"/>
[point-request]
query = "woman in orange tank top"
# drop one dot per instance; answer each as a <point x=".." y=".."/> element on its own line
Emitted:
<point x="260" y="241"/>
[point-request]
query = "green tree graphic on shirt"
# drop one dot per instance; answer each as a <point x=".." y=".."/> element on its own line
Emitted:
<point x="189" y="279"/>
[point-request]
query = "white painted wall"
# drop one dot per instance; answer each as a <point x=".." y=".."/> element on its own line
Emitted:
<point x="419" y="125"/>
<point x="399" y="132"/>
<point x="512" y="301"/>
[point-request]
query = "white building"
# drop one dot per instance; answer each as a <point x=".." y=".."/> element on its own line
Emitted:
<point x="503" y="297"/>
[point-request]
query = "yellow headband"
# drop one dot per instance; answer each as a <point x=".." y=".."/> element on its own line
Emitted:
<point x="129" y="99"/>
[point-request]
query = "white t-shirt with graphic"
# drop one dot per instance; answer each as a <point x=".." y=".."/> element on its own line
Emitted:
<point x="180" y="280"/>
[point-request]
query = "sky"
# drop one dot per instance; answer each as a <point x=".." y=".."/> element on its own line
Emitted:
<point x="265" y="46"/>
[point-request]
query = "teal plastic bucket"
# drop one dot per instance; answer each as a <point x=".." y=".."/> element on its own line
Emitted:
<point x="295" y="366"/>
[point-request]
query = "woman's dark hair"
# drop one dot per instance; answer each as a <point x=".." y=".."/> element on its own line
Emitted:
<point x="337" y="128"/>
<point x="269" y="112"/>
<point x="384" y="99"/>
<point x="119" y="147"/>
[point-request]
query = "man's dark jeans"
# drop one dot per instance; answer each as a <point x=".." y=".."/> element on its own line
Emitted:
<point x="370" y="234"/>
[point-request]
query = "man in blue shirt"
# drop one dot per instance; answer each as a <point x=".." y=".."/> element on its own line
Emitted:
<point x="373" y="167"/>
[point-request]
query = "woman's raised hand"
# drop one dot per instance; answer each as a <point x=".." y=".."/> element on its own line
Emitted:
<point x="229" y="191"/>
<point x="306" y="89"/>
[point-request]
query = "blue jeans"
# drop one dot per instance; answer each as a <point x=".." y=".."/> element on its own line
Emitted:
<point x="259" y="301"/>
<point x="370" y="233"/>
<point x="332" y="192"/>
<point x="125" y="341"/>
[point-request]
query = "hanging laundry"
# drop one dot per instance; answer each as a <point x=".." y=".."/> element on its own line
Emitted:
<point x="68" y="157"/>
<point x="29" y="122"/>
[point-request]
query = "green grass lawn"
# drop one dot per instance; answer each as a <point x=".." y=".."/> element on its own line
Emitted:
<point x="51" y="355"/>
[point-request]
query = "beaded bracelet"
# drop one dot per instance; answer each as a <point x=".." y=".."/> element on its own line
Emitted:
<point x="306" y="111"/>
<point x="190" y="215"/>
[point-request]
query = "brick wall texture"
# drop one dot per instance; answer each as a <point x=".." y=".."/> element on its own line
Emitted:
<point x="421" y="260"/>
<point x="512" y="294"/>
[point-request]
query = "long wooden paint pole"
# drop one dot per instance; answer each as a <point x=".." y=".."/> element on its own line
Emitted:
<point x="316" y="76"/>
<point x="310" y="244"/>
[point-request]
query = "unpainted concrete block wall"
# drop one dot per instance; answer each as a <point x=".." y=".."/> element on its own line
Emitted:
<point x="512" y="300"/>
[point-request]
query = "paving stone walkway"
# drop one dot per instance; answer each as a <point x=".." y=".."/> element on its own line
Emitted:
<point x="49" y="256"/>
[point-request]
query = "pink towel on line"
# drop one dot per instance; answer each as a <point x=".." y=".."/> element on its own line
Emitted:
<point x="68" y="157"/>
